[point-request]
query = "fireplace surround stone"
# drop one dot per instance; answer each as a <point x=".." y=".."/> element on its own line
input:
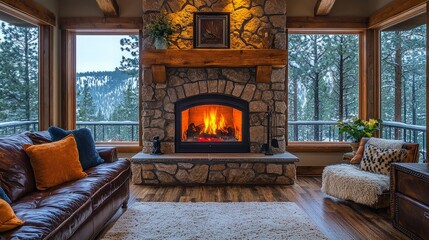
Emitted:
<point x="251" y="22"/>
<point x="255" y="24"/>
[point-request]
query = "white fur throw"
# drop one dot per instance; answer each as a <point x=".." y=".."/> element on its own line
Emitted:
<point x="348" y="182"/>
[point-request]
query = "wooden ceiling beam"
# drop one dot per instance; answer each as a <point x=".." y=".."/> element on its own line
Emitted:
<point x="109" y="8"/>
<point x="323" y="7"/>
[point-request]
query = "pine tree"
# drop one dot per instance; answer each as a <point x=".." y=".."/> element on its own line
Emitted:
<point x="18" y="72"/>
<point x="85" y="105"/>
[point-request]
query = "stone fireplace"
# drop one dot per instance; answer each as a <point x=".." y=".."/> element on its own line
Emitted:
<point x="234" y="94"/>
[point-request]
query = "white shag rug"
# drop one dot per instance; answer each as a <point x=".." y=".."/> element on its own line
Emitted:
<point x="243" y="220"/>
<point x="348" y="182"/>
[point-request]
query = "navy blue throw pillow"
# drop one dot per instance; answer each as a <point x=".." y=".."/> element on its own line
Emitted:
<point x="4" y="196"/>
<point x="88" y="156"/>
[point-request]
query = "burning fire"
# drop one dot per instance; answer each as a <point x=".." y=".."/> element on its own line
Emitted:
<point x="213" y="122"/>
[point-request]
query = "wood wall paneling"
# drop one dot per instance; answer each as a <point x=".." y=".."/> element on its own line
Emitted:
<point x="109" y="8"/>
<point x="28" y="10"/>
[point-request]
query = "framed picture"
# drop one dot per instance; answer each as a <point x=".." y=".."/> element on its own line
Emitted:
<point x="211" y="29"/>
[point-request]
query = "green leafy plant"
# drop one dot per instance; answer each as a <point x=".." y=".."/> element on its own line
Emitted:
<point x="356" y="128"/>
<point x="161" y="28"/>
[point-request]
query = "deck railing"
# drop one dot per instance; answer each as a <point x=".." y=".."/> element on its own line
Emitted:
<point x="407" y="133"/>
<point x="117" y="131"/>
<point x="326" y="131"/>
<point x="109" y="131"/>
<point x="10" y="128"/>
<point x="309" y="131"/>
<point x="112" y="131"/>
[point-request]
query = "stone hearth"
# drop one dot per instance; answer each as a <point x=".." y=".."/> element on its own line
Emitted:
<point x="214" y="169"/>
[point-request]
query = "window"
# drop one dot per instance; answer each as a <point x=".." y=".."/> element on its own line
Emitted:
<point x="107" y="70"/>
<point x="19" y="75"/>
<point x="323" y="84"/>
<point x="403" y="81"/>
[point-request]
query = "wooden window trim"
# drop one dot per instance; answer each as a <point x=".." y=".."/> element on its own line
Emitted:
<point x="71" y="27"/>
<point x="37" y="15"/>
<point x="396" y="12"/>
<point x="296" y="146"/>
<point x="320" y="24"/>
<point x="29" y="11"/>
<point x="325" y="147"/>
<point x="390" y="15"/>
<point x="122" y="147"/>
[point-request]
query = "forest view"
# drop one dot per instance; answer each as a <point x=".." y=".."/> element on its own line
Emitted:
<point x="403" y="82"/>
<point x="19" y="77"/>
<point x="323" y="84"/>
<point x="107" y="101"/>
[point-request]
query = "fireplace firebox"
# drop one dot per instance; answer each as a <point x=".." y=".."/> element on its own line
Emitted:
<point x="212" y="123"/>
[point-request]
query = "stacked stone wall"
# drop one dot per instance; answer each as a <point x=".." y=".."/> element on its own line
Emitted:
<point x="250" y="21"/>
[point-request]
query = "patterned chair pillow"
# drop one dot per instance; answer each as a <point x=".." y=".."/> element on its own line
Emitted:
<point x="378" y="160"/>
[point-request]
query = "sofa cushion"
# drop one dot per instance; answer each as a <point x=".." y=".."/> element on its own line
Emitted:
<point x="4" y="196"/>
<point x="60" y="210"/>
<point x="348" y="182"/>
<point x="39" y="137"/>
<point x="55" y="163"/>
<point x="378" y="160"/>
<point x="44" y="212"/>
<point x="88" y="156"/>
<point x="8" y="219"/>
<point x="16" y="173"/>
<point x="116" y="174"/>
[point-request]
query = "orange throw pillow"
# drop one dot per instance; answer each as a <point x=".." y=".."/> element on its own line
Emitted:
<point x="55" y="163"/>
<point x="359" y="153"/>
<point x="8" y="219"/>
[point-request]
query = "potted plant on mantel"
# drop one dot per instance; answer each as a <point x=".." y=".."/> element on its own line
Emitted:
<point x="161" y="29"/>
<point x="357" y="128"/>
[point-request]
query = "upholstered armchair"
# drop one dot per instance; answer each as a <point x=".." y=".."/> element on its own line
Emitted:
<point x="349" y="182"/>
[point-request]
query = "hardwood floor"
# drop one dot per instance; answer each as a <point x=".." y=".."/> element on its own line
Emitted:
<point x="337" y="219"/>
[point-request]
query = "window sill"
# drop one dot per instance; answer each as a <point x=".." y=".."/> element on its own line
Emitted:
<point x="122" y="147"/>
<point x="324" y="147"/>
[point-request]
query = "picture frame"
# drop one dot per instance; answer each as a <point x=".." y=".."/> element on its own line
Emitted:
<point x="211" y="30"/>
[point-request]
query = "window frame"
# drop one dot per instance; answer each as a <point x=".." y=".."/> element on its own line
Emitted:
<point x="381" y="20"/>
<point x="320" y="28"/>
<point x="70" y="28"/>
<point x="44" y="19"/>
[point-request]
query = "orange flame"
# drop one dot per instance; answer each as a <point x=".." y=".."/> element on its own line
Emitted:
<point x="213" y="121"/>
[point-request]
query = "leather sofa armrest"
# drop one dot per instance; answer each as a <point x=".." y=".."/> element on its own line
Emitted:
<point x="108" y="154"/>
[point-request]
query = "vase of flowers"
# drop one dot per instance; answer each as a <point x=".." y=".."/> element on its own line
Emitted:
<point x="356" y="128"/>
<point x="161" y="29"/>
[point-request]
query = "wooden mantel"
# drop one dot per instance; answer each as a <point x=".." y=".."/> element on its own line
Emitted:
<point x="263" y="59"/>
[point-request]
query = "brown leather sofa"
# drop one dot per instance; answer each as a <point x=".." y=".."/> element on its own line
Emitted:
<point x="73" y="210"/>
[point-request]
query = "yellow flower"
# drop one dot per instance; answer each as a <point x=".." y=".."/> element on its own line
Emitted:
<point x="372" y="122"/>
